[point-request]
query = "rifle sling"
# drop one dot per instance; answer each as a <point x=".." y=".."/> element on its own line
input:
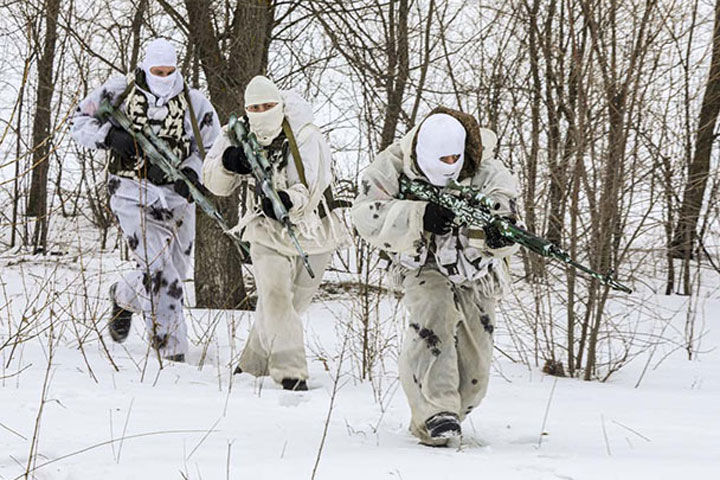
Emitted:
<point x="193" y="122"/>
<point x="295" y="151"/>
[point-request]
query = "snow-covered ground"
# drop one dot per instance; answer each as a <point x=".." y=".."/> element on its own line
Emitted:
<point x="196" y="421"/>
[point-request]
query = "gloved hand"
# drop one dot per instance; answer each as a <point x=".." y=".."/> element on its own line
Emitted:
<point x="267" y="204"/>
<point x="124" y="145"/>
<point x="234" y="160"/>
<point x="437" y="219"/>
<point x="493" y="237"/>
<point x="181" y="187"/>
<point x="154" y="174"/>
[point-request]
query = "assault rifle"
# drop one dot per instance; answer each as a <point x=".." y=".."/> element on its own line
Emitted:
<point x="262" y="170"/>
<point x="472" y="208"/>
<point x="160" y="155"/>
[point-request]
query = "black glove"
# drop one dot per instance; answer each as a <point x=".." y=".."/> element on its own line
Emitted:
<point x="123" y="144"/>
<point x="154" y="174"/>
<point x="493" y="238"/>
<point x="234" y="160"/>
<point x="181" y="187"/>
<point x="437" y="219"/>
<point x="267" y="204"/>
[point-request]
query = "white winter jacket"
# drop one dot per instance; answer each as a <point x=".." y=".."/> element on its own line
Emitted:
<point x="396" y="225"/>
<point x="90" y="132"/>
<point x="316" y="235"/>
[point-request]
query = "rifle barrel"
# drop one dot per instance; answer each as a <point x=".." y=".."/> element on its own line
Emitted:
<point x="472" y="208"/>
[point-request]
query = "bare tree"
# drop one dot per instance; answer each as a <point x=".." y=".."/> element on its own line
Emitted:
<point x="619" y="84"/>
<point x="37" y="203"/>
<point x="685" y="236"/>
<point x="231" y="49"/>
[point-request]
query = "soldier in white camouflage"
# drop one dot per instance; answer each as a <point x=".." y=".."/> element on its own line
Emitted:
<point x="301" y="160"/>
<point x="452" y="276"/>
<point x="156" y="216"/>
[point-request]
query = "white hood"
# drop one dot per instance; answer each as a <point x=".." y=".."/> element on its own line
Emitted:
<point x="161" y="53"/>
<point x="298" y="111"/>
<point x="440" y="135"/>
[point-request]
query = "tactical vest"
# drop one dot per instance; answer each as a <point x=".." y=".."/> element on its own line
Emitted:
<point x="170" y="129"/>
<point x="278" y="152"/>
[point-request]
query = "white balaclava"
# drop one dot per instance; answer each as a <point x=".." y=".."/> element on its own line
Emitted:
<point x="160" y="53"/>
<point x="268" y="124"/>
<point x="440" y="135"/>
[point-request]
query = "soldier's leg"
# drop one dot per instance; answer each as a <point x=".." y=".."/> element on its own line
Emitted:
<point x="155" y="287"/>
<point x="170" y="324"/>
<point x="475" y="347"/>
<point x="428" y="363"/>
<point x="275" y="346"/>
<point x="129" y="292"/>
<point x="181" y="248"/>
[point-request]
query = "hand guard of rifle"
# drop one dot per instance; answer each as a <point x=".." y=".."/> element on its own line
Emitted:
<point x="472" y="208"/>
<point x="262" y="170"/>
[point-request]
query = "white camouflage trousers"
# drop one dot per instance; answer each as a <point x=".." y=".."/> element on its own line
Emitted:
<point x="445" y="361"/>
<point x="276" y="345"/>
<point x="160" y="234"/>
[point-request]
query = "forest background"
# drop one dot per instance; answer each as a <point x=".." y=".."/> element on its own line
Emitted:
<point x="605" y="109"/>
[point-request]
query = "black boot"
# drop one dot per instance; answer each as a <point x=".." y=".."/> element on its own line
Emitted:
<point x="443" y="425"/>
<point x="160" y="341"/>
<point x="120" y="319"/>
<point x="294" y="384"/>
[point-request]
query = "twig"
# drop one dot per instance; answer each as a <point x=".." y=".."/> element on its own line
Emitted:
<point x="5" y="377"/>
<point x="202" y="440"/>
<point x="107" y="442"/>
<point x="227" y="463"/>
<point x="12" y="431"/>
<point x="633" y="431"/>
<point x="607" y="441"/>
<point x="36" y="432"/>
<point x="332" y="402"/>
<point x="547" y="412"/>
<point x="112" y="434"/>
<point x="124" y="432"/>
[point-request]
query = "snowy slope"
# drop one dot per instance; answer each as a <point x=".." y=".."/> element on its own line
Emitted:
<point x="192" y="421"/>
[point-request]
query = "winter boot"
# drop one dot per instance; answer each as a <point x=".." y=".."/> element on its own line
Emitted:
<point x="120" y="319"/>
<point x="294" y="384"/>
<point x="159" y="342"/>
<point x="442" y="427"/>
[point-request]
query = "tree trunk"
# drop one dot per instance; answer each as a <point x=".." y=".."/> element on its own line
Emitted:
<point x="398" y="69"/>
<point x="135" y="28"/>
<point x="698" y="170"/>
<point x="37" y="203"/>
<point x="556" y="172"/>
<point x="229" y="60"/>
<point x="533" y="263"/>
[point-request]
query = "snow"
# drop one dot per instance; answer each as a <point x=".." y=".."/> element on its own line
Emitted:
<point x="197" y="421"/>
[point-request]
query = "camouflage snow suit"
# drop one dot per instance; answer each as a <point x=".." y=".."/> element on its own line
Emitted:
<point x="451" y="282"/>
<point x="276" y="346"/>
<point x="157" y="223"/>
